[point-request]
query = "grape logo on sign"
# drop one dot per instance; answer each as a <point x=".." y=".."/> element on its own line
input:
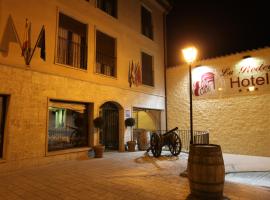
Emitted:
<point x="205" y="85"/>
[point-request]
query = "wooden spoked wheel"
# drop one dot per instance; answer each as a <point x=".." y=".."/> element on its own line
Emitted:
<point x="175" y="144"/>
<point x="156" y="145"/>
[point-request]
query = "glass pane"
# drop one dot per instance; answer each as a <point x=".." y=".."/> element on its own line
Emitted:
<point x="72" y="42"/>
<point x="105" y="54"/>
<point x="68" y="125"/>
<point x="146" y="23"/>
<point x="108" y="6"/>
<point x="147" y="70"/>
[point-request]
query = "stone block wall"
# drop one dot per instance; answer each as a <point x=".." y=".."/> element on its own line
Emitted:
<point x="27" y="115"/>
<point x="237" y="119"/>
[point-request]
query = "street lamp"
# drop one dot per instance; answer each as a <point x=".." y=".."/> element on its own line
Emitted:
<point x="190" y="55"/>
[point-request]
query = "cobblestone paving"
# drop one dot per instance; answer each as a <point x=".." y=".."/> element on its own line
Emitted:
<point x="117" y="176"/>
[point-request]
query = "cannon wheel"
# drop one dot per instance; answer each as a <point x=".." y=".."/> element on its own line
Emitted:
<point x="175" y="144"/>
<point x="155" y="143"/>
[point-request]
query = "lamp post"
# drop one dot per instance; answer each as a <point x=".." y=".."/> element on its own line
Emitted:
<point x="190" y="55"/>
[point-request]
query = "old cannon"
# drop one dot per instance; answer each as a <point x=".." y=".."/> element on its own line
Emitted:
<point x="170" y="138"/>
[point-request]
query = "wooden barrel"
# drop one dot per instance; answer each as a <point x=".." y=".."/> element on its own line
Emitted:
<point x="131" y="146"/>
<point x="143" y="140"/>
<point x="206" y="172"/>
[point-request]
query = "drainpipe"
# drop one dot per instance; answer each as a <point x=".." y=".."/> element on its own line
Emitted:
<point x="165" y="65"/>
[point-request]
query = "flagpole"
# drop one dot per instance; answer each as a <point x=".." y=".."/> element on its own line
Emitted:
<point x="33" y="51"/>
<point x="15" y="31"/>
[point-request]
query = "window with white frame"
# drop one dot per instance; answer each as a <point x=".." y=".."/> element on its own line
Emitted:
<point x="72" y="42"/>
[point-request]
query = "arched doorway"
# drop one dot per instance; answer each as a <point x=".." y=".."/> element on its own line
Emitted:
<point x="109" y="134"/>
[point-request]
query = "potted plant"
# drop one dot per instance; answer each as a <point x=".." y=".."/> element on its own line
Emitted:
<point x="129" y="122"/>
<point x="99" y="148"/>
<point x="98" y="122"/>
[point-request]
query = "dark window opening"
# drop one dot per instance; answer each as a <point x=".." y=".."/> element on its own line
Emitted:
<point x="105" y="54"/>
<point x="108" y="6"/>
<point x="146" y="22"/>
<point x="68" y="125"/>
<point x="3" y="106"/>
<point x="147" y="70"/>
<point x="72" y="42"/>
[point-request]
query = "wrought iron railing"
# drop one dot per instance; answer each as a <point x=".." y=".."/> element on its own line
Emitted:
<point x="65" y="138"/>
<point x="72" y="53"/>
<point x="105" y="64"/>
<point x="199" y="137"/>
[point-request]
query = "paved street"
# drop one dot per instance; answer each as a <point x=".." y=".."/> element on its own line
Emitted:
<point x="117" y="176"/>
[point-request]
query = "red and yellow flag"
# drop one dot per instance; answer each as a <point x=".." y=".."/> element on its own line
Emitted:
<point x="26" y="45"/>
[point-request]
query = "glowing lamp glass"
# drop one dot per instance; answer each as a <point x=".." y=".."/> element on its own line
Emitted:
<point x="190" y="54"/>
<point x="251" y="88"/>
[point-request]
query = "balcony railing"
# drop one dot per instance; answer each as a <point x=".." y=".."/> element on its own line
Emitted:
<point x="105" y="64"/>
<point x="72" y="53"/>
<point x="65" y="138"/>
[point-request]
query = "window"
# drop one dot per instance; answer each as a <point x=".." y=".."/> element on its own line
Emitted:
<point x="105" y="54"/>
<point x="72" y="42"/>
<point x="3" y="100"/>
<point x="147" y="69"/>
<point x="108" y="6"/>
<point x="68" y="125"/>
<point x="146" y="23"/>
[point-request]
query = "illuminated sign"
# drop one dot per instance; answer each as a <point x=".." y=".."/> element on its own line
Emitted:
<point x="246" y="76"/>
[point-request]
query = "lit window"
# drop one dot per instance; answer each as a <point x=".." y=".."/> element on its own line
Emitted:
<point x="68" y="125"/>
<point x="72" y="42"/>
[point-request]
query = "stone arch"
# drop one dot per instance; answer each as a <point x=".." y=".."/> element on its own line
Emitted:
<point x="120" y="132"/>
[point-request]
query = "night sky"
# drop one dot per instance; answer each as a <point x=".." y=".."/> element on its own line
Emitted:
<point x="217" y="29"/>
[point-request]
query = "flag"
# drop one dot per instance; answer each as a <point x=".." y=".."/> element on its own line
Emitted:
<point x="26" y="46"/>
<point x="41" y="44"/>
<point x="139" y="74"/>
<point x="10" y="35"/>
<point x="136" y="75"/>
<point x="132" y="73"/>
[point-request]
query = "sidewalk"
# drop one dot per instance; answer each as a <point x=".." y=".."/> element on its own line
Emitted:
<point x="117" y="176"/>
<point x="243" y="163"/>
<point x="252" y="170"/>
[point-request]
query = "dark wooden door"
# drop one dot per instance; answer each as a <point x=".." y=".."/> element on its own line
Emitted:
<point x="109" y="134"/>
<point x="2" y="122"/>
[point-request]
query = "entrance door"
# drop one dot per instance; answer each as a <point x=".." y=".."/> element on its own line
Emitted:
<point x="109" y="134"/>
<point x="2" y="122"/>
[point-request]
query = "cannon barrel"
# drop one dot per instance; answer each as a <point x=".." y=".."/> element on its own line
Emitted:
<point x="170" y="131"/>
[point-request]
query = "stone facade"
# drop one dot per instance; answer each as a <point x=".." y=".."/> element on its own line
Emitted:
<point x="29" y="88"/>
<point x="236" y="116"/>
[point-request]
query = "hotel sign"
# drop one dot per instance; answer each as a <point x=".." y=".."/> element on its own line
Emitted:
<point x="256" y="76"/>
<point x="239" y="79"/>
